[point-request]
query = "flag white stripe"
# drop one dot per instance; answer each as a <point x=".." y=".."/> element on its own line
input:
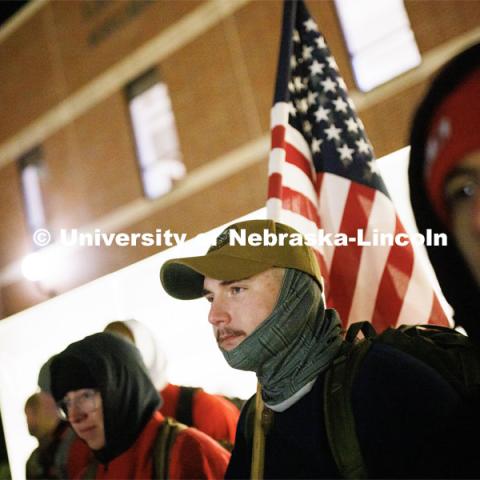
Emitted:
<point x="333" y="196"/>
<point x="297" y="140"/>
<point x="276" y="161"/>
<point x="274" y="209"/>
<point x="373" y="259"/>
<point x="418" y="300"/>
<point x="279" y="114"/>
<point x="295" y="179"/>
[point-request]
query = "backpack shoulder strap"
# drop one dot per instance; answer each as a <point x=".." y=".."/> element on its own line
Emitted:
<point x="339" y="420"/>
<point x="184" y="410"/>
<point x="167" y="433"/>
<point x="249" y="419"/>
<point x="62" y="453"/>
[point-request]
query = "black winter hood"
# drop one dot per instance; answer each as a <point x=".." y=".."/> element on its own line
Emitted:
<point x="128" y="395"/>
<point x="454" y="275"/>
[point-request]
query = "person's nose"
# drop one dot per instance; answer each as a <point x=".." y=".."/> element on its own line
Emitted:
<point x="218" y="314"/>
<point x="75" y="414"/>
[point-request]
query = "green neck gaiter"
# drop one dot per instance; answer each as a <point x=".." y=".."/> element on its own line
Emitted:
<point x="294" y="344"/>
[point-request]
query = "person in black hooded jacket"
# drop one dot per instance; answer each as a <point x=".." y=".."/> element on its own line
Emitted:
<point x="444" y="177"/>
<point x="102" y="387"/>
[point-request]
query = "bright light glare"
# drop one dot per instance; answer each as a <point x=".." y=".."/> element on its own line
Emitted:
<point x="34" y="266"/>
<point x="43" y="264"/>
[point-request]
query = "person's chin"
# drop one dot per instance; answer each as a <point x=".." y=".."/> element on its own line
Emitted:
<point x="92" y="438"/>
<point x="95" y="444"/>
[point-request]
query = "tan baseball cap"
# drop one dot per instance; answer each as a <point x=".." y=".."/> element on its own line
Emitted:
<point x="242" y="250"/>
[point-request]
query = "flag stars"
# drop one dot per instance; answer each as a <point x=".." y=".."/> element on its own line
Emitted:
<point x="296" y="36"/>
<point x="302" y="105"/>
<point x="307" y="52"/>
<point x="332" y="63"/>
<point x="298" y="84"/>
<point x="310" y="25"/>
<point x="293" y="62"/>
<point x="333" y="132"/>
<point x="307" y="126"/>
<point x="312" y="97"/>
<point x="316" y="68"/>
<point x="320" y="41"/>
<point x="345" y="154"/>
<point x="341" y="83"/>
<point x="363" y="146"/>
<point x="372" y="165"/>
<point x="352" y="125"/>
<point x="291" y="109"/>
<point x="340" y="105"/>
<point x="322" y="114"/>
<point x="329" y="85"/>
<point x="316" y="142"/>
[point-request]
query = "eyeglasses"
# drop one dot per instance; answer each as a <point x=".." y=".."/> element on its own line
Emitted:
<point x="86" y="401"/>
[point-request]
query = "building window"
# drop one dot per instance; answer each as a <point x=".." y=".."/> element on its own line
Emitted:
<point x="155" y="133"/>
<point x="30" y="168"/>
<point x="379" y="39"/>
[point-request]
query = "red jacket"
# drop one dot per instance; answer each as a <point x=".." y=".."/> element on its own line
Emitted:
<point x="212" y="414"/>
<point x="193" y="455"/>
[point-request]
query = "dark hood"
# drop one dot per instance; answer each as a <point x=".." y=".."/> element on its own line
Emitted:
<point x="128" y="395"/>
<point x="455" y="278"/>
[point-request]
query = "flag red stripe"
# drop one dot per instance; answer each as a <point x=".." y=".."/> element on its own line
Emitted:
<point x="278" y="137"/>
<point x="394" y="283"/>
<point x="295" y="157"/>
<point x="437" y="314"/>
<point x="319" y="183"/>
<point x="346" y="260"/>
<point x="324" y="270"/>
<point x="296" y="202"/>
<point x="275" y="186"/>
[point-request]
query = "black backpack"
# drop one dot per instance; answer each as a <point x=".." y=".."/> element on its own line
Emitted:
<point x="450" y="353"/>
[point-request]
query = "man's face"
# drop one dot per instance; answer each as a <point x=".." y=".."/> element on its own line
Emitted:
<point x="462" y="189"/>
<point x="238" y="308"/>
<point x="85" y="413"/>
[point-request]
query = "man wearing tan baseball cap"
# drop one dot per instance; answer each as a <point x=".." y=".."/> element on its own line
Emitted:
<point x="268" y="316"/>
<point x="241" y="251"/>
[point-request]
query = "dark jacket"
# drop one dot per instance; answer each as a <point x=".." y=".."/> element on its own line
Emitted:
<point x="403" y="410"/>
<point x="455" y="278"/>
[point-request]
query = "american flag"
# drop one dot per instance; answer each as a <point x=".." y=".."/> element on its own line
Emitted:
<point x="322" y="175"/>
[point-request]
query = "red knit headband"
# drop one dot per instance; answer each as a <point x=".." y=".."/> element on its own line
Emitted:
<point x="454" y="132"/>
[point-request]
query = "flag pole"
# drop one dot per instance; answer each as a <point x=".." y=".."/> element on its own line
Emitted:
<point x="258" y="449"/>
<point x="286" y="48"/>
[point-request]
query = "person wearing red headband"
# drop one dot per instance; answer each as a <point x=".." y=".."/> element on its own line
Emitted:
<point x="444" y="177"/>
